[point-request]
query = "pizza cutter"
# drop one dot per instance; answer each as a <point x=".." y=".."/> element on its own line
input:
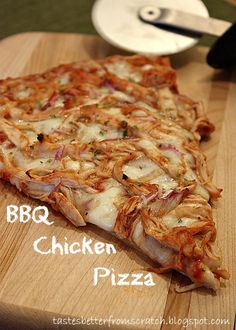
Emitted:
<point x="164" y="27"/>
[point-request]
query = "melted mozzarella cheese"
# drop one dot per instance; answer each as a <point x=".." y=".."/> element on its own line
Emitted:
<point x="100" y="207"/>
<point x="139" y="113"/>
<point x="171" y="155"/>
<point x="70" y="164"/>
<point x="158" y="252"/>
<point x="165" y="182"/>
<point x="177" y="130"/>
<point x="140" y="167"/>
<point x="148" y="107"/>
<point x="143" y="166"/>
<point x="170" y="139"/>
<point x="64" y="79"/>
<point x="113" y="111"/>
<point x="123" y="70"/>
<point x="190" y="175"/>
<point x="31" y="135"/>
<point x="96" y="132"/>
<point x="200" y="190"/>
<point x="146" y="144"/>
<point x="178" y="144"/>
<point x="122" y="97"/>
<point x="89" y="133"/>
<point x="28" y="163"/>
<point x="103" y="211"/>
<point x="47" y="126"/>
<point x="59" y="102"/>
<point x="23" y="94"/>
<point x="15" y="112"/>
<point x="189" y="158"/>
<point x="166" y="99"/>
<point x="172" y="221"/>
<point x="120" y="68"/>
<point x="147" y="67"/>
<point x="88" y="165"/>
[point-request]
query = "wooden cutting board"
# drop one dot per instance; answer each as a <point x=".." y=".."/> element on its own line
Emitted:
<point x="34" y="287"/>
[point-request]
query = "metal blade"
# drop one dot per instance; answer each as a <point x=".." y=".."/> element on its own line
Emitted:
<point x="172" y="18"/>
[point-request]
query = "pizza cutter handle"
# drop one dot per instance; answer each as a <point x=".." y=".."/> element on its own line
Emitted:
<point x="222" y="54"/>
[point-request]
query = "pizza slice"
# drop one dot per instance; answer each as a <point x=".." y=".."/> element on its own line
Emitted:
<point x="113" y="143"/>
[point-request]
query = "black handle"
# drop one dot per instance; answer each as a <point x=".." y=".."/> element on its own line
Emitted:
<point x="222" y="54"/>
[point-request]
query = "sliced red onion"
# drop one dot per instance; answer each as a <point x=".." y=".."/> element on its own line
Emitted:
<point x="59" y="153"/>
<point x="148" y="198"/>
<point x="50" y="101"/>
<point x="108" y="85"/>
<point x="169" y="201"/>
<point x="168" y="146"/>
<point x="70" y="93"/>
<point x="146" y="118"/>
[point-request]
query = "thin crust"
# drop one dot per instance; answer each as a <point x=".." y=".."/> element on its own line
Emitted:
<point x="112" y="142"/>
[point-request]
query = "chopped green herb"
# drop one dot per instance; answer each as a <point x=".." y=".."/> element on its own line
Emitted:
<point x="135" y="126"/>
<point x="53" y="116"/>
<point x="41" y="161"/>
<point x="140" y="167"/>
<point x="125" y="133"/>
<point x="101" y="133"/>
<point x="180" y="220"/>
<point x="49" y="160"/>
<point x="95" y="153"/>
<point x="187" y="182"/>
<point x="11" y="153"/>
<point x="105" y="104"/>
<point x="138" y="183"/>
<point x="38" y="103"/>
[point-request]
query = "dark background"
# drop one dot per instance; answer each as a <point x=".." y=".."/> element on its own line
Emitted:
<point x="73" y="16"/>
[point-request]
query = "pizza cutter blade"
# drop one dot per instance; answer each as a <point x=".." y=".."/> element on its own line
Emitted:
<point x="164" y="27"/>
<point x="119" y="24"/>
<point x="180" y="20"/>
<point x="223" y="52"/>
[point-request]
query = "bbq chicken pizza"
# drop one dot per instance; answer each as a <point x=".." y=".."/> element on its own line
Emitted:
<point x="113" y="143"/>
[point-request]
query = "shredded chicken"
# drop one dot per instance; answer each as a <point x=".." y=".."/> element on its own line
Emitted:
<point x="120" y="149"/>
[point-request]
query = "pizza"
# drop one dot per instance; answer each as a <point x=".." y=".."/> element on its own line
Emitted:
<point x="113" y="143"/>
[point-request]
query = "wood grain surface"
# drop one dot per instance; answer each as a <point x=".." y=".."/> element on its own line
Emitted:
<point x="34" y="287"/>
